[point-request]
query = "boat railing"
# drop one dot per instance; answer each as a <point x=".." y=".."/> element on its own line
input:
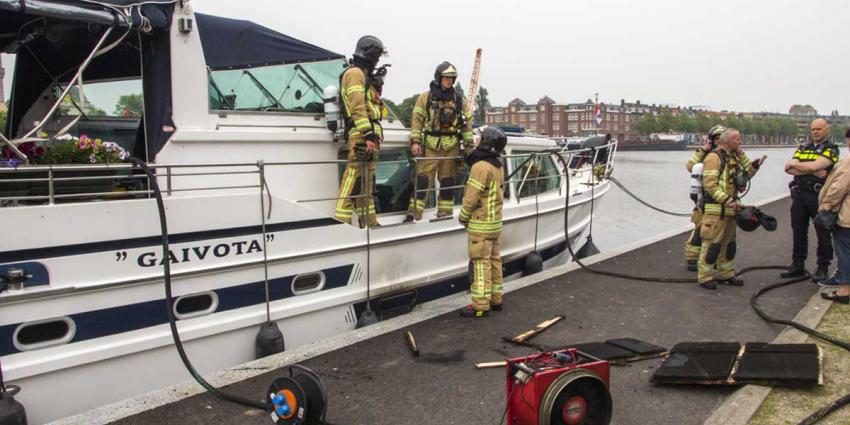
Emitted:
<point x="68" y="182"/>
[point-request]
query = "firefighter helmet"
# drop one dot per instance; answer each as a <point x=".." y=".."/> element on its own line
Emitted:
<point x="369" y="48"/>
<point x="715" y="131"/>
<point x="445" y="69"/>
<point x="748" y="219"/>
<point x="493" y="140"/>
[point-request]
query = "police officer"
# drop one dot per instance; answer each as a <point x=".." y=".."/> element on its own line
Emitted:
<point x="694" y="241"/>
<point x="726" y="171"/>
<point x="363" y="109"/>
<point x="481" y="214"/>
<point x="441" y="120"/>
<point x="810" y="165"/>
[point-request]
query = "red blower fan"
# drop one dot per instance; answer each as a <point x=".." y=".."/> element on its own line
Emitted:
<point x="558" y="388"/>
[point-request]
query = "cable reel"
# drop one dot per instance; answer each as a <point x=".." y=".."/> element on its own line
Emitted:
<point x="297" y="399"/>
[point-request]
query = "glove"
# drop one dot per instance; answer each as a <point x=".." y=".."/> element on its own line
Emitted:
<point x="825" y="220"/>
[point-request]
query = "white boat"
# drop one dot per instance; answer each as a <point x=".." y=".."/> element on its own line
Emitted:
<point x="83" y="320"/>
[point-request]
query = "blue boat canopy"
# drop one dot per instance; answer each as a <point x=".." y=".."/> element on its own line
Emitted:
<point x="237" y="44"/>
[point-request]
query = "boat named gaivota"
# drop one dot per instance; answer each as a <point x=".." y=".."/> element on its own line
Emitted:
<point x="221" y="105"/>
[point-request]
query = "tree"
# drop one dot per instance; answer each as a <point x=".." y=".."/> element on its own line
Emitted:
<point x="647" y="124"/>
<point x="665" y="122"/>
<point x="482" y="102"/>
<point x="2" y="121"/>
<point x="404" y="110"/>
<point x="129" y="105"/>
<point x="459" y="90"/>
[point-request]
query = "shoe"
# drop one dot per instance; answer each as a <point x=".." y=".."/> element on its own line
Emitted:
<point x="469" y="311"/>
<point x="708" y="285"/>
<point x="692" y="266"/>
<point x="796" y="269"/>
<point x="408" y="219"/>
<point x="733" y="281"/>
<point x="496" y="307"/>
<point x="834" y="297"/>
<point x="820" y="274"/>
<point x="831" y="282"/>
<point x="443" y="214"/>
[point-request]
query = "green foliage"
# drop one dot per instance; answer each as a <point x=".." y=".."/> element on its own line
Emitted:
<point x="700" y="123"/>
<point x="647" y="124"/>
<point x="2" y="121"/>
<point x="482" y="102"/>
<point x="459" y="89"/>
<point x="403" y="111"/>
<point x="129" y="105"/>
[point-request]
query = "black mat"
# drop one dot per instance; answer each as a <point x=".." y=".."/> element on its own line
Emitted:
<point x="636" y="346"/>
<point x="779" y="364"/>
<point x="604" y="351"/>
<point x="698" y="363"/>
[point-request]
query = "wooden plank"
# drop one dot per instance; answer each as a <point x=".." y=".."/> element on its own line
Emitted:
<point x="490" y="364"/>
<point x="525" y="336"/>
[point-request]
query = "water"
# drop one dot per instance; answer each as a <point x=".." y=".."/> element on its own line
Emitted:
<point x="660" y="178"/>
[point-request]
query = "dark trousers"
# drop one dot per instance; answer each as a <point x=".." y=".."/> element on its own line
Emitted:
<point x="804" y="207"/>
<point x="841" y="239"/>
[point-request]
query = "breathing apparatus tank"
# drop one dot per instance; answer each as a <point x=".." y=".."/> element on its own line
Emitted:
<point x="333" y="117"/>
<point x="696" y="182"/>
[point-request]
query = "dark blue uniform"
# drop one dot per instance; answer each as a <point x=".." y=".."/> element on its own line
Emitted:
<point x="804" y="203"/>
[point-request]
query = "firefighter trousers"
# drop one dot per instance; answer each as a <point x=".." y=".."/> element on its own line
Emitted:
<point x="694" y="241"/>
<point x="357" y="188"/>
<point x="487" y="280"/>
<point x="427" y="170"/>
<point x="717" y="254"/>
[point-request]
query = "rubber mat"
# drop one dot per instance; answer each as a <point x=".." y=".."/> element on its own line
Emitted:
<point x="636" y="346"/>
<point x="604" y="351"/>
<point x="707" y="363"/>
<point x="779" y="364"/>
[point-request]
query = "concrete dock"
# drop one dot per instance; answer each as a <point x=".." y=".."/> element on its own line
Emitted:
<point x="376" y="381"/>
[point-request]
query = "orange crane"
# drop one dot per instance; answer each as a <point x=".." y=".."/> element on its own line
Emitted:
<point x="473" y="83"/>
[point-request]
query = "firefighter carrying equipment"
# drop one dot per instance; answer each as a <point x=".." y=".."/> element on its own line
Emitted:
<point x="445" y="69"/>
<point x="750" y="218"/>
<point x="440" y="119"/>
<point x="727" y="174"/>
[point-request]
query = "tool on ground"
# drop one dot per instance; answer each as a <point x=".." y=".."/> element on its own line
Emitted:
<point x="558" y="387"/>
<point x="411" y="342"/>
<point x="525" y="336"/>
<point x="297" y="399"/>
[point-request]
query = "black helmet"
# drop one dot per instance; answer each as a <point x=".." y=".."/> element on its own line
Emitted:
<point x="369" y="48"/>
<point x="493" y="140"/>
<point x="445" y="69"/>
<point x="749" y="219"/>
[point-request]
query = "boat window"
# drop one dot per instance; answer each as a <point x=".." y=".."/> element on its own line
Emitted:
<point x="280" y="88"/>
<point x="195" y="305"/>
<point x="307" y="283"/>
<point x="393" y="183"/>
<point x="44" y="333"/>
<point x="540" y="174"/>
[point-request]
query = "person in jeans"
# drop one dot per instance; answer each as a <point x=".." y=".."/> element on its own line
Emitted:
<point x="834" y="197"/>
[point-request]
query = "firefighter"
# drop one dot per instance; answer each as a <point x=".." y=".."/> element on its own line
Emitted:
<point x="726" y="172"/>
<point x="481" y="214"/>
<point x="441" y="121"/>
<point x="694" y="242"/>
<point x="810" y="165"/>
<point x="363" y="109"/>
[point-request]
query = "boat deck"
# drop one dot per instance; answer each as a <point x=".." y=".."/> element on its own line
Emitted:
<point x="377" y="381"/>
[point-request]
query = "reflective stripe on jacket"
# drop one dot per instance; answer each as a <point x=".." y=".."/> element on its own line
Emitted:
<point x="362" y="107"/>
<point x="483" y="198"/>
<point x="426" y="121"/>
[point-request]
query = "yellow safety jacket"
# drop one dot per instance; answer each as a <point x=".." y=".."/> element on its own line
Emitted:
<point x="483" y="198"/>
<point x="426" y="122"/>
<point x="718" y="180"/>
<point x="362" y="105"/>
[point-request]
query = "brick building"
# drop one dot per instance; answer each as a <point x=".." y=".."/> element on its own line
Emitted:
<point x="554" y="119"/>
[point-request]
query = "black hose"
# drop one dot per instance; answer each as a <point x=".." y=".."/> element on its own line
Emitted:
<point x="646" y="204"/>
<point x="815" y="417"/>
<point x="169" y="299"/>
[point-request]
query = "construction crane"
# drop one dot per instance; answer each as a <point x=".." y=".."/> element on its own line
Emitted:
<point x="473" y="83"/>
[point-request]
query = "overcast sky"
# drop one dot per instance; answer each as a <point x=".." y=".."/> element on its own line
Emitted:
<point x="741" y="55"/>
<point x="727" y="54"/>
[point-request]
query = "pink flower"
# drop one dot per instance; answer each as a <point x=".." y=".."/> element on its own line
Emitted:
<point x="83" y="137"/>
<point x="83" y="144"/>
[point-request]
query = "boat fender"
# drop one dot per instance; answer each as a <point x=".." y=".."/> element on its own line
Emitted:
<point x="533" y="263"/>
<point x="269" y="340"/>
<point x="696" y="182"/>
<point x="11" y="411"/>
<point x="332" y="111"/>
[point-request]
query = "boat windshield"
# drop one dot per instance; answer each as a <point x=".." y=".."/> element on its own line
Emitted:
<point x="279" y="88"/>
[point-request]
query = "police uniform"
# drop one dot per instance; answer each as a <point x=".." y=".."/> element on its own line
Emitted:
<point x="804" y="204"/>
<point x="718" y="227"/>
<point x="363" y="111"/>
<point x="441" y="119"/>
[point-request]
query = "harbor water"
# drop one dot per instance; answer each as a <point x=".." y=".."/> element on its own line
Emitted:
<point x="660" y="178"/>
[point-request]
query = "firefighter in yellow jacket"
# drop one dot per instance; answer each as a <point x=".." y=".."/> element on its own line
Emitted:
<point x="481" y="214"/>
<point x="441" y="121"/>
<point x="363" y="109"/>
<point x="694" y="242"/>
<point x="726" y="171"/>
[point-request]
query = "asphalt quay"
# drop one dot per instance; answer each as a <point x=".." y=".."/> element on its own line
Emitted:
<point x="372" y="378"/>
